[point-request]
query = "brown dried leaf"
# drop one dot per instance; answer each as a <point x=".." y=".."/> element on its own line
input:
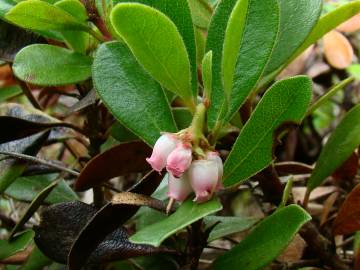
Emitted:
<point x="348" y="218"/>
<point x="338" y="50"/>
<point x="60" y="225"/>
<point x="328" y="204"/>
<point x="291" y="167"/>
<point x="105" y="221"/>
<point x="348" y="169"/>
<point x="299" y="192"/>
<point x="120" y="160"/>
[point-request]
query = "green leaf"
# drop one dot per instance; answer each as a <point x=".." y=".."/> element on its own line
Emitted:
<point x="228" y="225"/>
<point x="156" y="43"/>
<point x="188" y="213"/>
<point x="5" y="6"/>
<point x="354" y="70"/>
<point x="266" y="241"/>
<point x="214" y="43"/>
<point x="43" y="64"/>
<point x="33" y="207"/>
<point x="36" y="260"/>
<point x="285" y="101"/>
<point x="247" y="52"/>
<point x="327" y="23"/>
<point x="9" y="92"/>
<point x="18" y="244"/>
<point x="297" y="19"/>
<point x="133" y="97"/>
<point x="39" y="15"/>
<point x="183" y="117"/>
<point x="338" y="148"/>
<point x="201" y="12"/>
<point x="26" y="189"/>
<point x="207" y="75"/>
<point x="121" y="133"/>
<point x="329" y="94"/>
<point x="77" y="40"/>
<point x="179" y="13"/>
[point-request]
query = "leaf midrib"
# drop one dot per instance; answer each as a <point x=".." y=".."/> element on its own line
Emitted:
<point x="271" y="129"/>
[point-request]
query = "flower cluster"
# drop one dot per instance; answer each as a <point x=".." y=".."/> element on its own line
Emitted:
<point x="202" y="175"/>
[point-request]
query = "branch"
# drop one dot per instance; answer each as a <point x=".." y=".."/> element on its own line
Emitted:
<point x="40" y="161"/>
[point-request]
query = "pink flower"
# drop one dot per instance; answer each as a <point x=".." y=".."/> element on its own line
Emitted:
<point x="214" y="156"/>
<point x="204" y="176"/>
<point x="179" y="188"/>
<point x="179" y="160"/>
<point x="162" y="149"/>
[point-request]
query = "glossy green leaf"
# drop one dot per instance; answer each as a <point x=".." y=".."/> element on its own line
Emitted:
<point x="214" y="43"/>
<point x="156" y="43"/>
<point x="188" y="213"/>
<point x="179" y="13"/>
<point x="286" y="101"/>
<point x="5" y="6"/>
<point x="338" y="148"/>
<point x="228" y="225"/>
<point x="33" y="207"/>
<point x="39" y="15"/>
<point x="43" y="64"/>
<point x="266" y="241"/>
<point x="246" y="55"/>
<point x="26" y="189"/>
<point x="327" y="23"/>
<point x="293" y="14"/>
<point x="19" y="243"/>
<point x="133" y="97"/>
<point x="77" y="40"/>
<point x="121" y="133"/>
<point x="9" y="92"/>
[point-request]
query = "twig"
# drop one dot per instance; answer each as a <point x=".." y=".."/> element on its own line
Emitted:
<point x="40" y="161"/>
<point x="27" y="92"/>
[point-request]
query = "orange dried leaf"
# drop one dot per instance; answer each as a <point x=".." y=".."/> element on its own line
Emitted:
<point x="350" y="25"/>
<point x="338" y="50"/>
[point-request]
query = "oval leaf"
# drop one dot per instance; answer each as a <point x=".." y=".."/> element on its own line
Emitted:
<point x="50" y="65"/>
<point x="188" y="213"/>
<point x="266" y="241"/>
<point x="338" y="50"/>
<point x="157" y="45"/>
<point x="338" y="148"/>
<point x="39" y="15"/>
<point x="179" y="13"/>
<point x="133" y="97"/>
<point x="348" y="218"/>
<point x="285" y="101"/>
<point x="119" y="160"/>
